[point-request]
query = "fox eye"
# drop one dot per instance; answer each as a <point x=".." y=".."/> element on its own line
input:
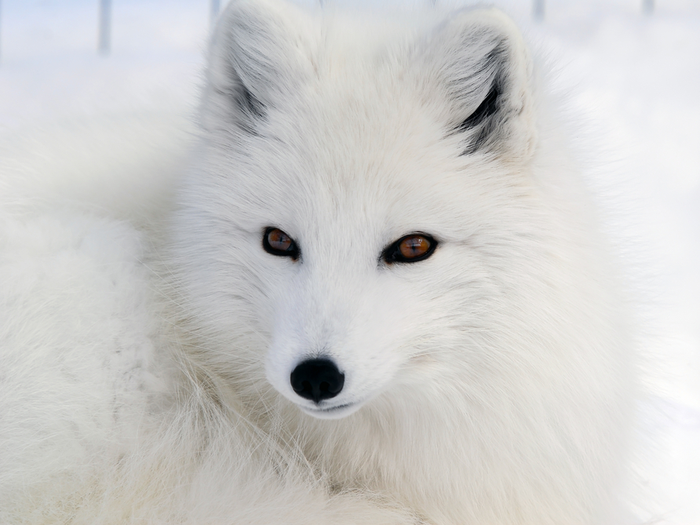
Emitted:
<point x="276" y="242"/>
<point x="411" y="248"/>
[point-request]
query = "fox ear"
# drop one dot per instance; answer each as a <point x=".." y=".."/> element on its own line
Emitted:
<point x="258" y="53"/>
<point x="479" y="62"/>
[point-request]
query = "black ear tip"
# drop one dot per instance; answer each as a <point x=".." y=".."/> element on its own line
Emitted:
<point x="250" y="104"/>
<point x="487" y="108"/>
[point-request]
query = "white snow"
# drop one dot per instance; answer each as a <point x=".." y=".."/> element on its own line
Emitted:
<point x="635" y="77"/>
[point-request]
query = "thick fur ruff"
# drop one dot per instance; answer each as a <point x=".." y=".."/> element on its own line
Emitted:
<point x="148" y="337"/>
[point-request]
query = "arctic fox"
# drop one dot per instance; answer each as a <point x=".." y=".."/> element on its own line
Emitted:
<point x="378" y="295"/>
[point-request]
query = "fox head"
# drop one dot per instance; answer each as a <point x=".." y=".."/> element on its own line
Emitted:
<point x="376" y="230"/>
<point x="342" y="233"/>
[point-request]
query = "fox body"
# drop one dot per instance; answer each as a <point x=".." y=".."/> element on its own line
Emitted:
<point x="377" y="294"/>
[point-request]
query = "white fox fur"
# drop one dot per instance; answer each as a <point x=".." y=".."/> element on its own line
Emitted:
<point x="147" y="341"/>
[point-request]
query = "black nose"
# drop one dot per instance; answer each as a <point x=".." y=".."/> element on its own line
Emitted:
<point x="317" y="379"/>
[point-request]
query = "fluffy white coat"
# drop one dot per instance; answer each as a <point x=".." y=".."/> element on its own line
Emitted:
<point x="147" y="338"/>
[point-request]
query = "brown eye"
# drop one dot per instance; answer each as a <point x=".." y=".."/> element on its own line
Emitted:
<point x="411" y="248"/>
<point x="276" y="242"/>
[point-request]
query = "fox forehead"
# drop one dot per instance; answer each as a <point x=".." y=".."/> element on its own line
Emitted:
<point x="334" y="155"/>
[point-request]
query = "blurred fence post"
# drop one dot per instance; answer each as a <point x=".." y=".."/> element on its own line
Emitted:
<point x="648" y="6"/>
<point x="214" y="10"/>
<point x="105" y="28"/>
<point x="538" y="10"/>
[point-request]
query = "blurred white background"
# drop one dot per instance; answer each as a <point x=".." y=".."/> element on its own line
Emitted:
<point x="632" y="77"/>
